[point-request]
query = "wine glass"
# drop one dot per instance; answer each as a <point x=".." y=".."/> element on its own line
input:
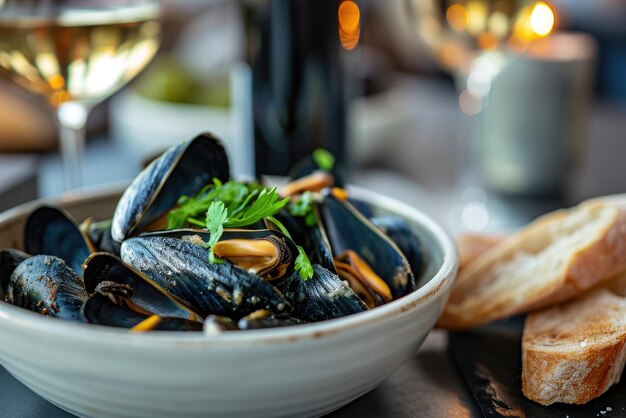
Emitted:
<point x="475" y="40"/>
<point x="76" y="53"/>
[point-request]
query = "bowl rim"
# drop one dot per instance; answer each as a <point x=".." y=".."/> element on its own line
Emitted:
<point x="443" y="278"/>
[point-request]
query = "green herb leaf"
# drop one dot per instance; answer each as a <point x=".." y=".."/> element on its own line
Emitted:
<point x="303" y="207"/>
<point x="216" y="216"/>
<point x="303" y="264"/>
<point x="176" y="219"/>
<point x="266" y="204"/>
<point x="324" y="159"/>
<point x="310" y="219"/>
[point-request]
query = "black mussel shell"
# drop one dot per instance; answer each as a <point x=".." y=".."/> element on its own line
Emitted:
<point x="182" y="269"/>
<point x="347" y="229"/>
<point x="363" y="208"/>
<point x="177" y="324"/>
<point x="99" y="235"/>
<point x="295" y="225"/>
<point x="182" y="170"/>
<point x="52" y="231"/>
<point x="400" y="233"/>
<point x="147" y="295"/>
<point x="319" y="251"/>
<point x="324" y="296"/>
<point x="9" y="260"/>
<point x="102" y="310"/>
<point x="45" y="284"/>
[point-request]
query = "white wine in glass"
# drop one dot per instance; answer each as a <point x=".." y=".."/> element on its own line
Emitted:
<point x="75" y="54"/>
<point x="474" y="40"/>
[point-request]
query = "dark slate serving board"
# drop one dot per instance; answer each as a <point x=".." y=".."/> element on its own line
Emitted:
<point x="490" y="361"/>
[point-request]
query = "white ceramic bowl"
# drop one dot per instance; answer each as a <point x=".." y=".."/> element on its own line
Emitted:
<point x="306" y="370"/>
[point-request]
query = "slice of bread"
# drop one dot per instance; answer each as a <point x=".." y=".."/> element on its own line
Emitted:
<point x="552" y="260"/>
<point x="471" y="246"/>
<point x="574" y="352"/>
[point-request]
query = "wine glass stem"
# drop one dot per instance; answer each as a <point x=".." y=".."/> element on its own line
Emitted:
<point x="72" y="118"/>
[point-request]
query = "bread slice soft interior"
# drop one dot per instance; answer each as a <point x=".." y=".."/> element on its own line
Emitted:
<point x="574" y="352"/>
<point x="471" y="246"/>
<point x="552" y="260"/>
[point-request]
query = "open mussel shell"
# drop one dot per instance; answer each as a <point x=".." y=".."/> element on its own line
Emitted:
<point x="45" y="284"/>
<point x="265" y="252"/>
<point x="400" y="233"/>
<point x="9" y="260"/>
<point x="104" y="310"/>
<point x="182" y="269"/>
<point x="319" y="251"/>
<point x="324" y="296"/>
<point x="99" y="235"/>
<point x="182" y="170"/>
<point x="347" y="230"/>
<point x="52" y="231"/>
<point x="146" y="294"/>
<point x="308" y="166"/>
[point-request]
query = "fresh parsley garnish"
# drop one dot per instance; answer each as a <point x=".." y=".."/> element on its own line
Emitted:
<point x="324" y="159"/>
<point x="192" y="209"/>
<point x="233" y="205"/>
<point x="303" y="264"/>
<point x="216" y="216"/>
<point x="303" y="207"/>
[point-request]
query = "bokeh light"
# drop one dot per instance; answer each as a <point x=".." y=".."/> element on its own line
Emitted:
<point x="542" y="19"/>
<point x="349" y="24"/>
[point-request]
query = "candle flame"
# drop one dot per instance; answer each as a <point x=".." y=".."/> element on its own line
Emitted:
<point x="349" y="24"/>
<point x="542" y="19"/>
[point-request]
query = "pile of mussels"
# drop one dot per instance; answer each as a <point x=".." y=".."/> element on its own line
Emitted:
<point x="136" y="274"/>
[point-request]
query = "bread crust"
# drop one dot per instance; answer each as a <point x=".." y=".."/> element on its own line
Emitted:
<point x="574" y="352"/>
<point x="475" y="301"/>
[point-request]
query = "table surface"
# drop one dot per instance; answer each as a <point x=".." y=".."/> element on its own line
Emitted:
<point x="428" y="385"/>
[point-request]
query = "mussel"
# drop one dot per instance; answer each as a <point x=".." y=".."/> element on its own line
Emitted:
<point x="324" y="296"/>
<point x="45" y="284"/>
<point x="310" y="165"/>
<point x="52" y="231"/>
<point x="319" y="249"/>
<point x="112" y="305"/>
<point x="143" y="292"/>
<point x="370" y="287"/>
<point x="313" y="182"/>
<point x="99" y="236"/>
<point x="9" y="260"/>
<point x="182" y="170"/>
<point x="348" y="230"/>
<point x="265" y="252"/>
<point x="182" y="268"/>
<point x="400" y="233"/>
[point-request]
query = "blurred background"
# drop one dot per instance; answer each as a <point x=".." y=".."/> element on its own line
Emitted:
<point x="483" y="113"/>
